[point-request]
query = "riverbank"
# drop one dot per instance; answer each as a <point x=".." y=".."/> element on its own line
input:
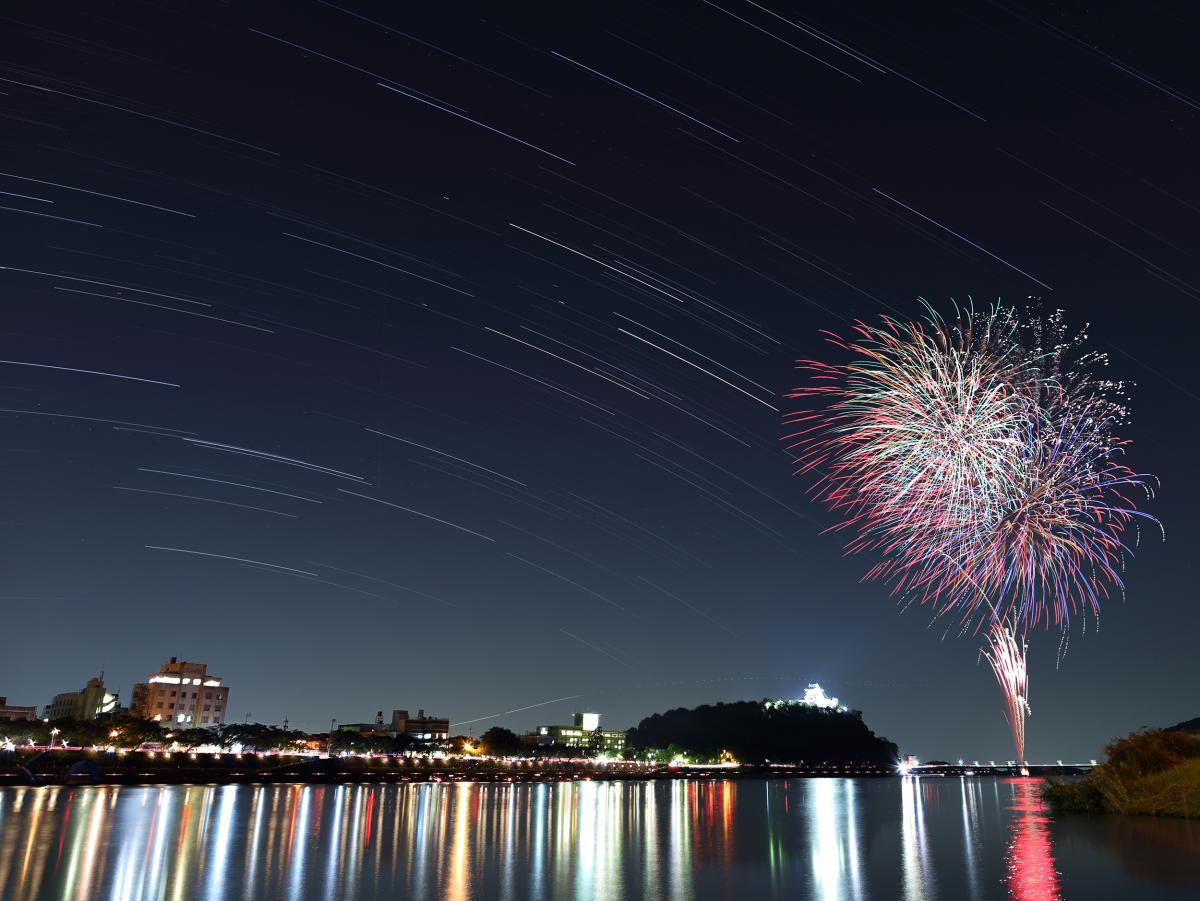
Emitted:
<point x="102" y="767"/>
<point x="1152" y="773"/>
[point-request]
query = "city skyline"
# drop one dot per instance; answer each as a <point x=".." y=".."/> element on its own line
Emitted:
<point x="370" y="360"/>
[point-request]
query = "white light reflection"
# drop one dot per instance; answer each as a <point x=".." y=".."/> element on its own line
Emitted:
<point x="218" y="860"/>
<point x="334" y="840"/>
<point x="540" y="797"/>
<point x="648" y="792"/>
<point x="971" y="832"/>
<point x="679" y="875"/>
<point x="833" y="839"/>
<point x="919" y="884"/>
<point x="589" y="836"/>
<point x="299" y="842"/>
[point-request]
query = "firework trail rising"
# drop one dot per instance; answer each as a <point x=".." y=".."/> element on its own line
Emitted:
<point x="976" y="459"/>
<point x="1006" y="656"/>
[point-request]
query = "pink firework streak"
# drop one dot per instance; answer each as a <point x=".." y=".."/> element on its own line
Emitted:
<point x="1006" y="656"/>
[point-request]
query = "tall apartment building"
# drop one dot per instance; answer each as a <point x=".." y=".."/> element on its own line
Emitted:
<point x="182" y="693"/>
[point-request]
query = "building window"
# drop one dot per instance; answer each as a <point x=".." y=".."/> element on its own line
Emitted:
<point x="204" y="719"/>
<point x="160" y="703"/>
<point x="207" y="707"/>
<point x="172" y="692"/>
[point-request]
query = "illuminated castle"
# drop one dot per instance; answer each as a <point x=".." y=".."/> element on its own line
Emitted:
<point x="814" y="696"/>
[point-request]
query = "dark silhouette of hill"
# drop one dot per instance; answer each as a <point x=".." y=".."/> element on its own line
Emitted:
<point x="1192" y="725"/>
<point x="756" y="731"/>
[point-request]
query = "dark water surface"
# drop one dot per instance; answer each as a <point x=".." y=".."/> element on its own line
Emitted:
<point x="948" y="839"/>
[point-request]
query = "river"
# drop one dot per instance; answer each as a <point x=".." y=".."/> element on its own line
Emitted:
<point x="675" y="840"/>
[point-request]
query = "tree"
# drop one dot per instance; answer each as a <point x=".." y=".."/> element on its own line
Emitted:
<point x="500" y="742"/>
<point x="260" y="737"/>
<point x="133" y="731"/>
<point x="195" y="738"/>
<point x="362" y="743"/>
<point x="460" y="744"/>
<point x="753" y="732"/>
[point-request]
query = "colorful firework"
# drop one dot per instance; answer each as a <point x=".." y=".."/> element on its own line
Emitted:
<point x="977" y="459"/>
<point x="915" y="430"/>
<point x="983" y="472"/>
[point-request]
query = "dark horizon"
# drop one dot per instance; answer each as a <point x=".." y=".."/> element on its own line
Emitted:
<point x="447" y="263"/>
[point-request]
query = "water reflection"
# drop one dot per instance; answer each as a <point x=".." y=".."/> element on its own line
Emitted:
<point x="818" y="839"/>
<point x="1031" y="872"/>
<point x="834" y="840"/>
<point x="920" y="882"/>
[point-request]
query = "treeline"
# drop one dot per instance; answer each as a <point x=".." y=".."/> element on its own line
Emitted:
<point x="757" y="732"/>
<point x="132" y="732"/>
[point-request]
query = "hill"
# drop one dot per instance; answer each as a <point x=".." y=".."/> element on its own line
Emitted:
<point x="1192" y="725"/>
<point x="757" y="731"/>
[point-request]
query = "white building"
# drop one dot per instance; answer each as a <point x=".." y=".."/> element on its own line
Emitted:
<point x="814" y="696"/>
<point x="183" y="694"/>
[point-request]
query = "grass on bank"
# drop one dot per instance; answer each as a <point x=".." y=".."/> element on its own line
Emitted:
<point x="1152" y="772"/>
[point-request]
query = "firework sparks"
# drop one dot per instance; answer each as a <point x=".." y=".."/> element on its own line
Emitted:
<point x="1006" y="656"/>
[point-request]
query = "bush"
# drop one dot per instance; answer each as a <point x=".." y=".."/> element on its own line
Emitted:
<point x="1153" y="772"/>
<point x="1148" y="752"/>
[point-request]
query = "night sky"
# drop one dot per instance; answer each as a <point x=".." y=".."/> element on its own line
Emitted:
<point x="409" y="355"/>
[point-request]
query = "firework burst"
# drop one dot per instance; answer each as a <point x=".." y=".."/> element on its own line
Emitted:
<point x="981" y="470"/>
<point x="976" y="459"/>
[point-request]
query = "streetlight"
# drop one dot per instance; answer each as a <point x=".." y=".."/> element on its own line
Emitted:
<point x="53" y="732"/>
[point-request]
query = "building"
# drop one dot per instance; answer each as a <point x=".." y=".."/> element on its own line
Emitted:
<point x="375" y="728"/>
<point x="90" y="702"/>
<point x="182" y="693"/>
<point x="585" y="734"/>
<point x="814" y="696"/>
<point x="15" y="712"/>
<point x="420" y="727"/>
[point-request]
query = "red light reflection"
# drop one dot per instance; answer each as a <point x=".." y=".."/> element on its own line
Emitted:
<point x="1031" y="872"/>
